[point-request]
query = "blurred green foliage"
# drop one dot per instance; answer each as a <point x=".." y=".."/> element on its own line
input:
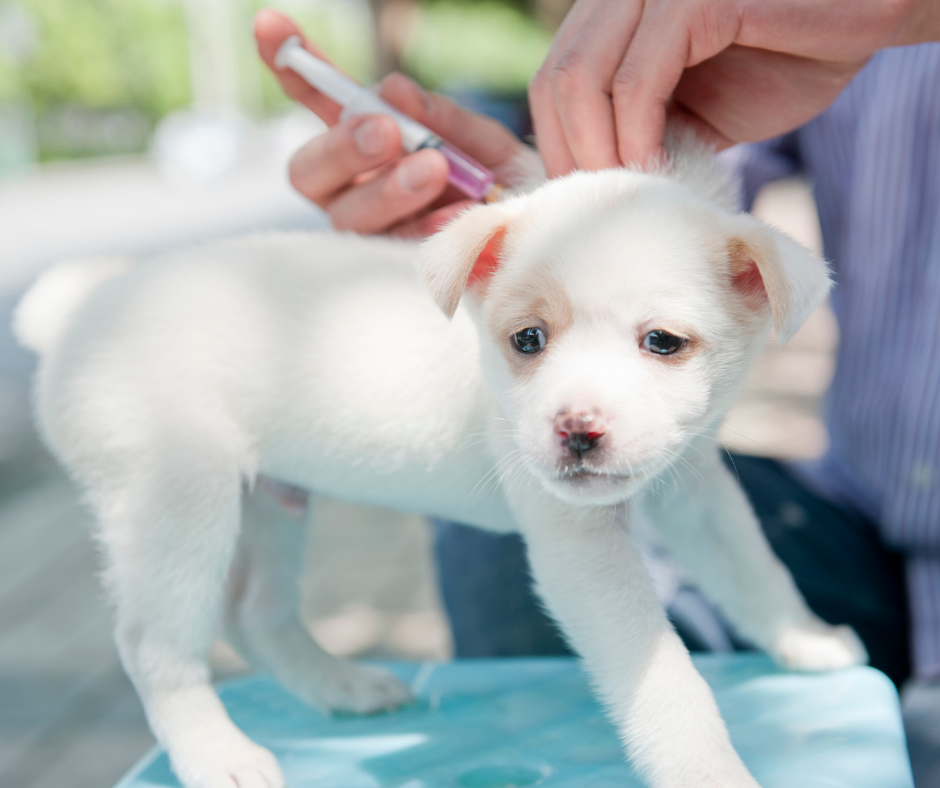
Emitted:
<point x="484" y="44"/>
<point x="103" y="53"/>
<point x="490" y="45"/>
<point x="346" y="36"/>
<point x="126" y="59"/>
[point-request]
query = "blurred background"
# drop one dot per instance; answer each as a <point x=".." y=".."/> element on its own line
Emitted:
<point x="142" y="125"/>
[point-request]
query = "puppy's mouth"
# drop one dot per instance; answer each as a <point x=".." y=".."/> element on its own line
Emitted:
<point x="588" y="484"/>
<point x="582" y="472"/>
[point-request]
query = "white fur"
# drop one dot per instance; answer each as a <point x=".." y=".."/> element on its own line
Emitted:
<point x="320" y="360"/>
<point x="46" y="311"/>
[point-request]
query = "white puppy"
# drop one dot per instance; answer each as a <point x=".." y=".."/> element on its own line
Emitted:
<point x="600" y="327"/>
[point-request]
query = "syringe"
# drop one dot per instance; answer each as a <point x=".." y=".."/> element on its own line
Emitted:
<point x="467" y="174"/>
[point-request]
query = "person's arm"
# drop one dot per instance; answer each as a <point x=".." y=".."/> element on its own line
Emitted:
<point x="739" y="70"/>
<point x="357" y="170"/>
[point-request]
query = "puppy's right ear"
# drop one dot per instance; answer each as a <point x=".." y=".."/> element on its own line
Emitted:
<point x="768" y="268"/>
<point x="464" y="254"/>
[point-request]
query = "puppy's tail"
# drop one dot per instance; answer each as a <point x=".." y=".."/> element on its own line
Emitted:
<point x="50" y="305"/>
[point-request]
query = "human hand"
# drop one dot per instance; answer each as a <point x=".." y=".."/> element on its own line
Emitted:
<point x="739" y="70"/>
<point x="357" y="170"/>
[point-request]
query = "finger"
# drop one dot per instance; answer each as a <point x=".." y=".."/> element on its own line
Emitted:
<point x="271" y="29"/>
<point x="330" y="161"/>
<point x="644" y="83"/>
<point x="680" y="115"/>
<point x="581" y="83"/>
<point x="485" y="139"/>
<point x="549" y="132"/>
<point x="413" y="183"/>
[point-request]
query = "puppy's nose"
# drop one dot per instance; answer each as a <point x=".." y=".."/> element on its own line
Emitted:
<point x="580" y="431"/>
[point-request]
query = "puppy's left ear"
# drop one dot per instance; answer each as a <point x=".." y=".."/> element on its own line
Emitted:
<point x="464" y="254"/>
<point x="769" y="268"/>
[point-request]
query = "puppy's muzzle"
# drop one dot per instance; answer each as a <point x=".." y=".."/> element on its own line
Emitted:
<point x="580" y="432"/>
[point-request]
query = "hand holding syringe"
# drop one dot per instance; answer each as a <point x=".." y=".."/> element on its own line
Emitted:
<point x="378" y="187"/>
<point x="467" y="174"/>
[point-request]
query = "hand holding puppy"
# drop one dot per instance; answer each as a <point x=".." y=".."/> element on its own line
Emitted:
<point x="357" y="171"/>
<point x="739" y="70"/>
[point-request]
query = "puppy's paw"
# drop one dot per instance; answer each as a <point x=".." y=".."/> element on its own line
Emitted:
<point x="818" y="646"/>
<point x="229" y="762"/>
<point x="361" y="689"/>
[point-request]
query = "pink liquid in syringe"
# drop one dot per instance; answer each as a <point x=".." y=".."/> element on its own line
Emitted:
<point x="467" y="174"/>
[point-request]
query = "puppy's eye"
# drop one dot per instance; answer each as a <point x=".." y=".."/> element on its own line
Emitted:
<point x="529" y="340"/>
<point x="662" y="342"/>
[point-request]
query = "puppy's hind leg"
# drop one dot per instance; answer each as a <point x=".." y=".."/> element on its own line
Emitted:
<point x="263" y="616"/>
<point x="169" y="519"/>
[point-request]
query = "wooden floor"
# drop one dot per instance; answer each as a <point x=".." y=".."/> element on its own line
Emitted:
<point x="68" y="715"/>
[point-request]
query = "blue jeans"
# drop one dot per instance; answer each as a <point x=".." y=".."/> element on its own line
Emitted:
<point x="836" y="557"/>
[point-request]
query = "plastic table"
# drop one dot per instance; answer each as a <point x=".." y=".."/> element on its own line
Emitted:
<point x="521" y="722"/>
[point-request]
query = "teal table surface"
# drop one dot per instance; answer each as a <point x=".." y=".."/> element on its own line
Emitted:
<point x="519" y="722"/>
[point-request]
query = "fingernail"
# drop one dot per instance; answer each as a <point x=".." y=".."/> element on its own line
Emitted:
<point x="370" y="137"/>
<point x="414" y="173"/>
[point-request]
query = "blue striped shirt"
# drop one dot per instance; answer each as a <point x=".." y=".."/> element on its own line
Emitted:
<point x="874" y="161"/>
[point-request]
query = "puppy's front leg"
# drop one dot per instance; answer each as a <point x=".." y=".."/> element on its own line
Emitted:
<point x="590" y="574"/>
<point x="707" y="522"/>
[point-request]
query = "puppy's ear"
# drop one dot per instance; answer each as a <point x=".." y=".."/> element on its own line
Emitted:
<point x="464" y="254"/>
<point x="769" y="268"/>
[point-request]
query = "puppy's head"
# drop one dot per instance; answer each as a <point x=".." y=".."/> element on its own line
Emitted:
<point x="618" y="314"/>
